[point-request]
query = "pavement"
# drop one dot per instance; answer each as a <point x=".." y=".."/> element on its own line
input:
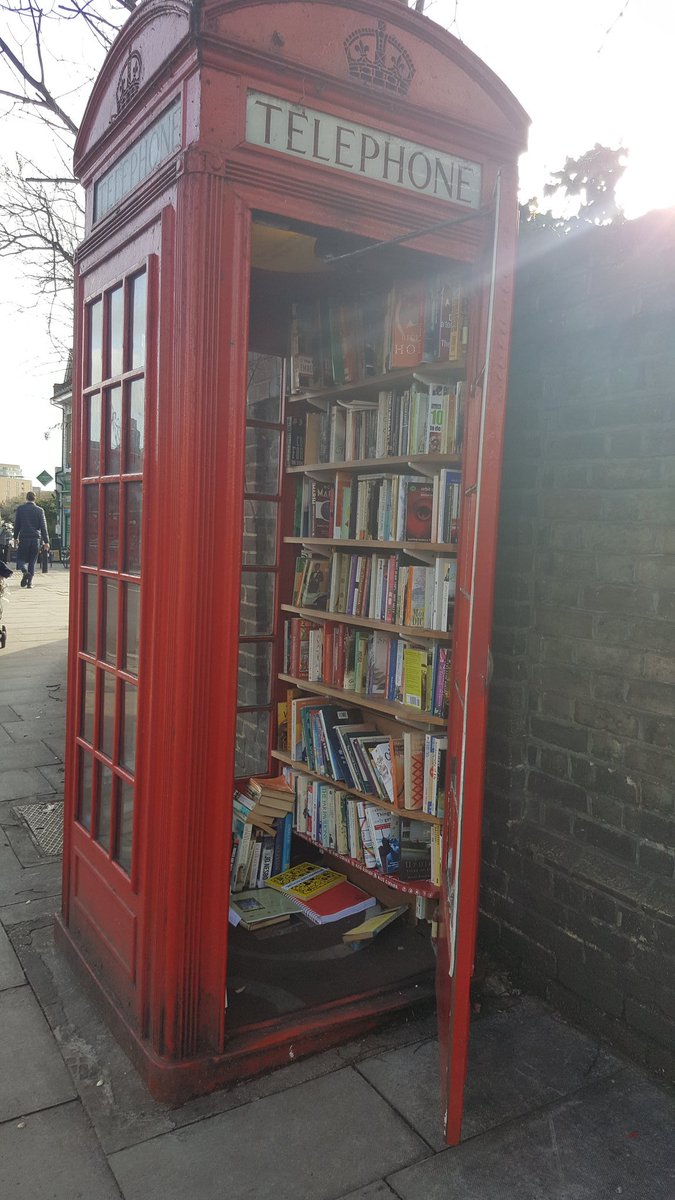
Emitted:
<point x="551" y="1113"/>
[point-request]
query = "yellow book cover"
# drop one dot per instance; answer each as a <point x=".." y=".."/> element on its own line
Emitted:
<point x="307" y="889"/>
<point x="293" y="875"/>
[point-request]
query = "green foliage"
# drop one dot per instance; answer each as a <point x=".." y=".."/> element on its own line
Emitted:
<point x="47" y="500"/>
<point x="592" y="178"/>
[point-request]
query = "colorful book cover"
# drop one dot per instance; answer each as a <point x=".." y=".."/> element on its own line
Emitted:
<point x="419" y="510"/>
<point x="407" y="325"/>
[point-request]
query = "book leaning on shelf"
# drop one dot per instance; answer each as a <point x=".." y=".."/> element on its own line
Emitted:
<point x="381" y="507"/>
<point x="261" y="836"/>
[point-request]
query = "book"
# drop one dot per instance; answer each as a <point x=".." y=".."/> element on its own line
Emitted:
<point x="261" y="907"/>
<point x="305" y="879"/>
<point x="335" y="903"/>
<point x="370" y="928"/>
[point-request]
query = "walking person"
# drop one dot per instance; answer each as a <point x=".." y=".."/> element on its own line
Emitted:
<point x="5" y="541"/>
<point x="30" y="528"/>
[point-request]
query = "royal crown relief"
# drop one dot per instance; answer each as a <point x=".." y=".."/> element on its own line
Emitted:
<point x="128" y="83"/>
<point x="379" y="60"/>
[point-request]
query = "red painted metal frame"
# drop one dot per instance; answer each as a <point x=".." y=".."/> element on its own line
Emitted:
<point x="194" y="214"/>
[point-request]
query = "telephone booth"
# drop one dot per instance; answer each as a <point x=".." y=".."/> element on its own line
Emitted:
<point x="261" y="179"/>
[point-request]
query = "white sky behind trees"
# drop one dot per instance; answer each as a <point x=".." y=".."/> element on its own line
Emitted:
<point x="586" y="71"/>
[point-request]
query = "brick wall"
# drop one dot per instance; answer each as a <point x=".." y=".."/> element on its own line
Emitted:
<point x="578" y="891"/>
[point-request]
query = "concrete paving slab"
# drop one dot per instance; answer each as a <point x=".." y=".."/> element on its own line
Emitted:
<point x="28" y="754"/>
<point x="56" y="744"/>
<point x="54" y="774"/>
<point x="613" y="1139"/>
<point x="6" y="711"/>
<point x="372" y="1191"/>
<point x="11" y="974"/>
<point x="33" y="883"/>
<point x="17" y="785"/>
<point x="39" y="910"/>
<point x="322" y="1139"/>
<point x="43" y="706"/>
<point x="518" y="1060"/>
<point x="53" y="1155"/>
<point x="32" y="1072"/>
<point x="35" y="728"/>
<point x="5" y="739"/>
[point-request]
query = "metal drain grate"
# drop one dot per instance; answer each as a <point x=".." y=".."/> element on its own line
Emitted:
<point x="45" y="822"/>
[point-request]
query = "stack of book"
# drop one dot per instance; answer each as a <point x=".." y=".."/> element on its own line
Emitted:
<point x="321" y="894"/>
<point x="262" y="826"/>
<point x="382" y="507"/>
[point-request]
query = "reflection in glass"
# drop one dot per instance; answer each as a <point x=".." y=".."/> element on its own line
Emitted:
<point x="255" y="673"/>
<point x="252" y="744"/>
<point x="256" y="613"/>
<point x="259" y="547"/>
<point x="111" y="525"/>
<point x="110" y="589"/>
<point x="95" y="363"/>
<point x="262" y="460"/>
<point x="263" y="395"/>
<point x="132" y="626"/>
<point x="128" y="729"/>
<point x="116" y="330"/>
<point x="132" y="542"/>
<point x="136" y="427"/>
<point x="88" y="702"/>
<point x="93" y="451"/>
<point x="90" y="614"/>
<point x="125" y="824"/>
<point x="104" y="787"/>
<point x="90" y="549"/>
<point x="107" y="739"/>
<point x="84" y="789"/>
<point x="113" y="418"/>
<point x="139" y="293"/>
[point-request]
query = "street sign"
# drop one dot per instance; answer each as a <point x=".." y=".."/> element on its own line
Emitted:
<point x="45" y="478"/>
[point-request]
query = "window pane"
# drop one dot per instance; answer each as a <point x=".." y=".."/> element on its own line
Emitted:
<point x="90" y="548"/>
<point x="116" y="330"/>
<point x="111" y="525"/>
<point x="104" y="786"/>
<point x="132" y="626"/>
<point x="107" y="739"/>
<point x="84" y="790"/>
<point x="135" y="427"/>
<point x="93" y="372"/>
<point x="132" y="544"/>
<point x="252" y="746"/>
<point x="255" y="673"/>
<point x="139" y="291"/>
<point x="128" y="735"/>
<point x="262" y="460"/>
<point x="260" y="533"/>
<point x="113" y="426"/>
<point x="110" y="591"/>
<point x="93" y="452"/>
<point x="256" y="616"/>
<point x="125" y="823"/>
<point x="88" y="700"/>
<point x="89" y="583"/>
<point x="263" y="396"/>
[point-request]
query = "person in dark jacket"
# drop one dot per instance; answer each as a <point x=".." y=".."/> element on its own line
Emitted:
<point x="30" y="528"/>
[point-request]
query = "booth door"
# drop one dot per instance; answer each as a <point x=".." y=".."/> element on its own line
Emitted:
<point x="109" y="577"/>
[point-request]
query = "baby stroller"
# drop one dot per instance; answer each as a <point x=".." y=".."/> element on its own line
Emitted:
<point x="5" y="573"/>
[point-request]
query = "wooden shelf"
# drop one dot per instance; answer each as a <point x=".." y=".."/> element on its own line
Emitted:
<point x="411" y="631"/>
<point x="412" y="887"/>
<point x="439" y="549"/>
<point x="356" y="465"/>
<point x="413" y="813"/>
<point x="436" y="371"/>
<point x="391" y="708"/>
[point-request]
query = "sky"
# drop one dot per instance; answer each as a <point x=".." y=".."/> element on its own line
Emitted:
<point x="586" y="71"/>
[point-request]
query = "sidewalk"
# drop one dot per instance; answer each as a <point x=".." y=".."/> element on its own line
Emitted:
<point x="550" y="1114"/>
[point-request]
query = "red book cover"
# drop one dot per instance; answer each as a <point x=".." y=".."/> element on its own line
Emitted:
<point x="419" y="511"/>
<point x="407" y="331"/>
<point x="338" y="902"/>
<point x="340" y="656"/>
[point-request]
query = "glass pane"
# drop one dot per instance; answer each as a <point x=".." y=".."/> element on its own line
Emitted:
<point x="84" y="792"/>
<point x="256" y="614"/>
<point x="116" y="330"/>
<point x="132" y="544"/>
<point x="113" y="427"/>
<point x="90" y="549"/>
<point x="139" y="294"/>
<point x="88" y="700"/>
<point x="136" y="427"/>
<point x="90" y="614"/>
<point x="104" y="787"/>
<point x="263" y="396"/>
<point x="260" y="533"/>
<point x="107" y="739"/>
<point x="110" y="591"/>
<point x="255" y="673"/>
<point x="129" y="718"/>
<point x="262" y="460"/>
<point x="252" y="745"/>
<point x="93" y="452"/>
<point x="111" y="525"/>
<point x="125" y="824"/>
<point x="132" y="626"/>
<point x="93" y="371"/>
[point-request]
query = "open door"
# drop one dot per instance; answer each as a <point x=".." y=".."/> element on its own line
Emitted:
<point x="471" y="670"/>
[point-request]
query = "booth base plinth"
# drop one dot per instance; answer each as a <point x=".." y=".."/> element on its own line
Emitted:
<point x="255" y="1049"/>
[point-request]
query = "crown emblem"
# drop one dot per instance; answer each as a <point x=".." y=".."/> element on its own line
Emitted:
<point x="129" y="82"/>
<point x="376" y="58"/>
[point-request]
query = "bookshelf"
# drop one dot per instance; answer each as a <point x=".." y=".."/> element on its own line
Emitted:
<point x="410" y="887"/>
<point x="437" y="372"/>
<point x="391" y="462"/>
<point x="389" y="708"/>
<point x="437" y="548"/>
<point x="410" y="631"/>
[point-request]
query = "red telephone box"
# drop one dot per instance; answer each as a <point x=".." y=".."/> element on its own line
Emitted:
<point x="241" y="160"/>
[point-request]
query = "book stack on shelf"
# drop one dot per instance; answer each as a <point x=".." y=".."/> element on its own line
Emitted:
<point x="320" y="893"/>
<point x="262" y="826"/>
<point x="382" y="507"/>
